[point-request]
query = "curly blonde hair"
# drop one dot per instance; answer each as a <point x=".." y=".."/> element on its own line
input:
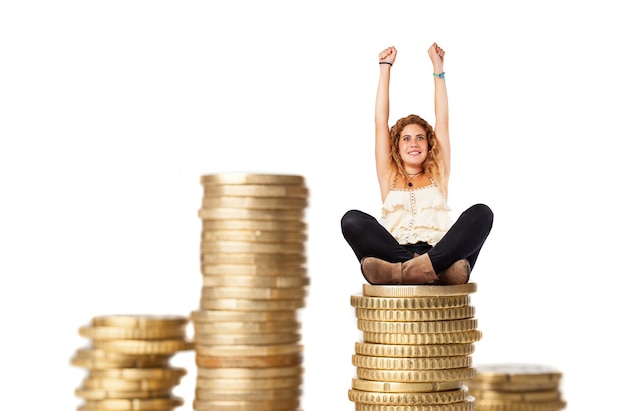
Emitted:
<point x="433" y="165"/>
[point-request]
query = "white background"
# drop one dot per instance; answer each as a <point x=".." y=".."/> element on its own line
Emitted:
<point x="111" y="111"/>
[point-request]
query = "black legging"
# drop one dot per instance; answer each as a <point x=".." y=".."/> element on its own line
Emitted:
<point x="464" y="239"/>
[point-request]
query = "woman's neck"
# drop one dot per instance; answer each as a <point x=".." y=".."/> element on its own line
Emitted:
<point x="413" y="171"/>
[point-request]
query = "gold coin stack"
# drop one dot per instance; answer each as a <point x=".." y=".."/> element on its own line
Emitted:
<point x="253" y="261"/>
<point x="516" y="387"/>
<point x="128" y="362"/>
<point x="416" y="349"/>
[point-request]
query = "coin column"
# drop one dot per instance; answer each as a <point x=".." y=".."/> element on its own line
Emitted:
<point x="416" y="349"/>
<point x="517" y="387"/>
<point x="247" y="337"/>
<point x="128" y="362"/>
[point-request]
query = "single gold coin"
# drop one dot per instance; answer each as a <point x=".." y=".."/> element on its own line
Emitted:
<point x="249" y="373"/>
<point x="408" y="398"/>
<point x="513" y="386"/>
<point x="408" y="327"/>
<point x="272" y="394"/>
<point x="246" y="339"/>
<point x="517" y="373"/>
<point x="468" y="405"/>
<point x="139" y="320"/>
<point x="256" y="190"/>
<point x="408" y="303"/>
<point x="425" y="338"/>
<point x="442" y="314"/>
<point x="370" y="290"/>
<point x="251" y="178"/>
<point x="139" y="373"/>
<point x="117" y="384"/>
<point x="227" y="247"/>
<point x="101" y="359"/>
<point x="102" y="394"/>
<point x="413" y="350"/>
<point x="527" y="396"/>
<point x="250" y="305"/>
<point x="257" y="236"/>
<point x="295" y="226"/>
<point x="254" y="293"/>
<point x="243" y="385"/>
<point x="103" y="332"/>
<point x="261" y="269"/>
<point x="248" y="327"/>
<point x="484" y="404"/>
<point x="249" y="361"/>
<point x="248" y="350"/>
<point x="103" y="364"/>
<point x="214" y="316"/>
<point x="251" y="281"/>
<point x="224" y="213"/>
<point x="267" y="405"/>
<point x="143" y="404"/>
<point x="143" y="346"/>
<point x="420" y="363"/>
<point x="255" y="203"/>
<point x="405" y="387"/>
<point x="456" y="374"/>
<point x="263" y="261"/>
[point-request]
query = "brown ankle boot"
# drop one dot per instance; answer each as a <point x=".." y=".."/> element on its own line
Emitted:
<point x="457" y="273"/>
<point x="417" y="270"/>
<point x="379" y="272"/>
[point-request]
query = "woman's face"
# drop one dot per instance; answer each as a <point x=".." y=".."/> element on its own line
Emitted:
<point x="413" y="145"/>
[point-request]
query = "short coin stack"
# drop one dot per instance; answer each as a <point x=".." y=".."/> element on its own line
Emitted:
<point x="516" y="387"/>
<point x="253" y="262"/>
<point x="128" y="362"/>
<point x="416" y="348"/>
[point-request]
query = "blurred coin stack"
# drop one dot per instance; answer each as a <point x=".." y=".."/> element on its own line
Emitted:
<point x="416" y="349"/>
<point x="516" y="387"/>
<point x="128" y="362"/>
<point x="247" y="336"/>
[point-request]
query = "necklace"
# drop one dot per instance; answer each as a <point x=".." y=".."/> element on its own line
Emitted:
<point x="410" y="184"/>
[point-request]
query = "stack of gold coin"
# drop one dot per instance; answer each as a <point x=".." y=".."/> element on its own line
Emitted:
<point x="516" y="387"/>
<point x="416" y="349"/>
<point x="253" y="263"/>
<point x="128" y="364"/>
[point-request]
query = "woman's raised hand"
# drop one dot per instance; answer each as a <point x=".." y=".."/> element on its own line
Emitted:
<point x="436" y="55"/>
<point x="388" y="55"/>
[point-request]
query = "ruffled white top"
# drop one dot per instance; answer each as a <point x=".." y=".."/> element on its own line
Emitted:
<point x="415" y="215"/>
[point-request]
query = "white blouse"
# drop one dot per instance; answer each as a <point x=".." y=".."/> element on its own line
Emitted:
<point x="415" y="215"/>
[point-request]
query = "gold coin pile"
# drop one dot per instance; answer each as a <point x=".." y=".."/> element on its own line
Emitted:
<point x="128" y="364"/>
<point x="253" y="262"/>
<point x="416" y="349"/>
<point x="516" y="387"/>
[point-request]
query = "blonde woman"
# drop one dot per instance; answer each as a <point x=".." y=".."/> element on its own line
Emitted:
<point x="415" y="241"/>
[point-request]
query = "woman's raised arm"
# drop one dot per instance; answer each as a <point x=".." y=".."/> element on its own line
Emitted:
<point x="386" y="58"/>
<point x="436" y="55"/>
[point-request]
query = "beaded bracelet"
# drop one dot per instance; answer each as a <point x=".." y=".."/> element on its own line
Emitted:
<point x="440" y="75"/>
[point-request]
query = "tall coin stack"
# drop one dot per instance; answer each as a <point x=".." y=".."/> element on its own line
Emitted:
<point x="249" y="352"/>
<point x="416" y="349"/>
<point x="128" y="362"/>
<point x="516" y="387"/>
